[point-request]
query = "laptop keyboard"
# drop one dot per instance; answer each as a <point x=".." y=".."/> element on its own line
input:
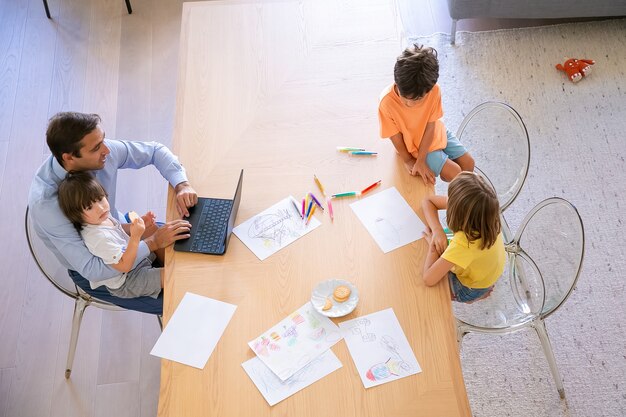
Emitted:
<point x="211" y="226"/>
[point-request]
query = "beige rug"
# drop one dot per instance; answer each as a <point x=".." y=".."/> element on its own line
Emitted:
<point x="578" y="145"/>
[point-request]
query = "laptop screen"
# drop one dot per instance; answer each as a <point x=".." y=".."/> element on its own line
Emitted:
<point x="234" y="210"/>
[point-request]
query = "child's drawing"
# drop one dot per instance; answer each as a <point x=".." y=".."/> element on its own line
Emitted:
<point x="295" y="341"/>
<point x="273" y="229"/>
<point x="389" y="219"/>
<point x="274" y="390"/>
<point x="379" y="348"/>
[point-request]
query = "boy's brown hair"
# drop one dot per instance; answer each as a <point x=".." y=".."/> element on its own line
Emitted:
<point x="77" y="192"/>
<point x="416" y="71"/>
<point x="473" y="208"/>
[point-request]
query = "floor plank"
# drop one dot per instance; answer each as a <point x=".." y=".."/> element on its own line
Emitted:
<point x="119" y="400"/>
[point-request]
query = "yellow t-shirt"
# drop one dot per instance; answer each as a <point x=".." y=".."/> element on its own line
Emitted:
<point x="475" y="268"/>
<point x="395" y="117"/>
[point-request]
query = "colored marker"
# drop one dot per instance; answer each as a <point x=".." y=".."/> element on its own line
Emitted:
<point x="316" y="201"/>
<point x="296" y="207"/>
<point x="348" y="149"/>
<point x="308" y="210"/>
<point x="302" y="208"/>
<point x="319" y="185"/>
<point x="330" y="209"/>
<point x="370" y="187"/>
<point x="310" y="215"/>
<point x="348" y="194"/>
<point x="363" y="153"/>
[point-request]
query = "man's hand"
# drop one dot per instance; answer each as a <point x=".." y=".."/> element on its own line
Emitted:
<point x="186" y="197"/>
<point x="421" y="168"/>
<point x="169" y="233"/>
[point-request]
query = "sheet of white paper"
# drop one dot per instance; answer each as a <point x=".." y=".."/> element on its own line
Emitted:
<point x="294" y="342"/>
<point x="389" y="219"/>
<point x="274" y="228"/>
<point x="274" y="390"/>
<point x="193" y="331"/>
<point x="379" y="348"/>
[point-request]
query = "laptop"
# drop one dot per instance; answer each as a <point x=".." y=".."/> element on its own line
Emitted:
<point x="212" y="221"/>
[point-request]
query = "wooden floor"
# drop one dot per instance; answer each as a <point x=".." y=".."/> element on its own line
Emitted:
<point x="93" y="57"/>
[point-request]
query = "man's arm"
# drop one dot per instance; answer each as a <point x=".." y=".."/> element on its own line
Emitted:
<point x="421" y="168"/>
<point x="141" y="154"/>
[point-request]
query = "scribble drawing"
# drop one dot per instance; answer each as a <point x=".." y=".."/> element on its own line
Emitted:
<point x="262" y="346"/>
<point x="387" y="230"/>
<point x="273" y="228"/>
<point x="395" y="365"/>
<point x="360" y="328"/>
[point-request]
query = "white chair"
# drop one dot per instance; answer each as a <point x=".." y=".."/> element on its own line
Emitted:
<point x="544" y="262"/>
<point x="58" y="276"/>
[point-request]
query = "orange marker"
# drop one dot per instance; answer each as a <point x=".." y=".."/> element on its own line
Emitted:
<point x="366" y="189"/>
<point x="310" y="213"/>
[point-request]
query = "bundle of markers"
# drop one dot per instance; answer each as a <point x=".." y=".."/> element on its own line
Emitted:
<point x="310" y="201"/>
<point x="356" y="151"/>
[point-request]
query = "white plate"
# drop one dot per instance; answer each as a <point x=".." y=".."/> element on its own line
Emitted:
<point x="325" y="290"/>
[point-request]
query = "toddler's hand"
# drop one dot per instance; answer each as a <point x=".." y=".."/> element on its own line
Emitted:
<point x="137" y="227"/>
<point x="421" y="168"/>
<point x="409" y="165"/>
<point x="149" y="219"/>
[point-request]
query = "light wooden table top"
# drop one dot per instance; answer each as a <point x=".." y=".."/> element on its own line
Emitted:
<point x="273" y="87"/>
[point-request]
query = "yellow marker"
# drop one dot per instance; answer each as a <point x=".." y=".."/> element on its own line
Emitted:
<point x="310" y="214"/>
<point x="319" y="185"/>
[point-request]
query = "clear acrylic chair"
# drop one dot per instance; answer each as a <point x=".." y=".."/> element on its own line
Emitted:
<point x="496" y="136"/>
<point x="544" y="260"/>
<point x="58" y="276"/>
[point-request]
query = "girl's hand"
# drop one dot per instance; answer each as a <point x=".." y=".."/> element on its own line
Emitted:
<point x="440" y="240"/>
<point x="137" y="227"/>
<point x="433" y="248"/>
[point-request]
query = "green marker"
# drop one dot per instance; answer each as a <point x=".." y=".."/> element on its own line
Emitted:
<point x="348" y="194"/>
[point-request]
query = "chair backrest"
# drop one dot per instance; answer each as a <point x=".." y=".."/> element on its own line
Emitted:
<point x="553" y="235"/>
<point x="496" y="136"/>
<point x="52" y="269"/>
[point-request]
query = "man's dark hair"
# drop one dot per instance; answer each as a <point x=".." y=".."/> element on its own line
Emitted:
<point x="66" y="130"/>
<point x="416" y="71"/>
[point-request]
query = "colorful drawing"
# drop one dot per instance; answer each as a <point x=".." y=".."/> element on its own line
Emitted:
<point x="294" y="342"/>
<point x="361" y="329"/>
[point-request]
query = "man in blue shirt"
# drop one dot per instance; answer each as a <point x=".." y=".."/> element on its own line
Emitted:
<point x="77" y="143"/>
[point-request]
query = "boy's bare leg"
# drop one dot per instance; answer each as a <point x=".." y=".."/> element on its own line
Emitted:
<point x="466" y="162"/>
<point x="450" y="170"/>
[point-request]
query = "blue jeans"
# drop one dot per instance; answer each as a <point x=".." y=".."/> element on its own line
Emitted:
<point x="143" y="304"/>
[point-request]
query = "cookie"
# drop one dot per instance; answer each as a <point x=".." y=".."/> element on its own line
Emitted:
<point x="327" y="305"/>
<point x="341" y="293"/>
<point x="132" y="215"/>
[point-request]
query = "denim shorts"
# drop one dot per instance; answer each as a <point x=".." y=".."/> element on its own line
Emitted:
<point x="463" y="294"/>
<point x="453" y="150"/>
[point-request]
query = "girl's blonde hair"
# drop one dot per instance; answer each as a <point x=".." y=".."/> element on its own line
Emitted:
<point x="473" y="208"/>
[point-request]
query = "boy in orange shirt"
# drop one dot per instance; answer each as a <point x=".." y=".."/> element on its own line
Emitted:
<point x="410" y="115"/>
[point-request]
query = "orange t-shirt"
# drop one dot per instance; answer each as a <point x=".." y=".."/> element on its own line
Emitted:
<point x="395" y="118"/>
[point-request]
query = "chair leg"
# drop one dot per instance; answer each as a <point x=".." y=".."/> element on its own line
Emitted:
<point x="130" y="9"/>
<point x="79" y="309"/>
<point x="540" y="328"/>
<point x="160" y="318"/>
<point x="460" y="333"/>
<point x="45" y="5"/>
<point x="453" y="32"/>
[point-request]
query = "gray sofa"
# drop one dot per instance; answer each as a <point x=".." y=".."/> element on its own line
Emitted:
<point x="532" y="9"/>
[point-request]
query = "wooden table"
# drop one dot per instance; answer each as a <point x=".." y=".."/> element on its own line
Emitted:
<point x="273" y="87"/>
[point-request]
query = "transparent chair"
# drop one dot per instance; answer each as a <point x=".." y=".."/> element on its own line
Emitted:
<point x="544" y="260"/>
<point x="496" y="136"/>
<point x="58" y="276"/>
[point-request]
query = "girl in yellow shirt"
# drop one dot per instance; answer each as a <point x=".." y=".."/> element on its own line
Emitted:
<point x="475" y="257"/>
